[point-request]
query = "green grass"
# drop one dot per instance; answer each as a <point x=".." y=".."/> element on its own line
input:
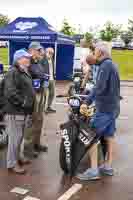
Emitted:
<point x="124" y="59"/>
<point x="4" y="57"/>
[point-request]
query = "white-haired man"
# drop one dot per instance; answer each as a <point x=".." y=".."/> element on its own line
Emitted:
<point x="106" y="95"/>
<point x="19" y="95"/>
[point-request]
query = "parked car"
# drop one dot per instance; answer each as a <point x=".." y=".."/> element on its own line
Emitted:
<point x="130" y="46"/>
<point x="118" y="44"/>
<point x="3" y="44"/>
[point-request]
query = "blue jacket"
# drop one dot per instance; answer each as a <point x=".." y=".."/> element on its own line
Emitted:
<point x="106" y="92"/>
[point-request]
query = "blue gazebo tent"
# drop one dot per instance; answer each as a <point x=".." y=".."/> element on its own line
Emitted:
<point x="22" y="31"/>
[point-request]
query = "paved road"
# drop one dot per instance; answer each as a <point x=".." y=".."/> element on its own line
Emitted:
<point x="45" y="179"/>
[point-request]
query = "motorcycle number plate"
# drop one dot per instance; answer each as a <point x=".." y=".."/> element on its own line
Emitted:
<point x="74" y="102"/>
<point x="77" y="79"/>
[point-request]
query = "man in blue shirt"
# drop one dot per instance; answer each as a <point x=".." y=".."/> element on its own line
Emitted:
<point x="106" y="94"/>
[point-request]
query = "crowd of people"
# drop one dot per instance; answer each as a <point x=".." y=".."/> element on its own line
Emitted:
<point x="29" y="96"/>
<point x="29" y="89"/>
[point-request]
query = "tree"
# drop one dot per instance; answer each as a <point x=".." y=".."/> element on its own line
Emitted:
<point x="110" y="31"/>
<point x="4" y="20"/>
<point x="130" y="25"/>
<point x="67" y="29"/>
<point x="87" y="41"/>
<point x="88" y="37"/>
<point x="127" y="37"/>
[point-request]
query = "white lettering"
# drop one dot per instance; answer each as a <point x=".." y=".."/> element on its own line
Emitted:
<point x="84" y="139"/>
<point x="40" y="37"/>
<point x="67" y="145"/>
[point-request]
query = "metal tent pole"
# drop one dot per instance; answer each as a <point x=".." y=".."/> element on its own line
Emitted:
<point x="55" y="58"/>
<point x="8" y="52"/>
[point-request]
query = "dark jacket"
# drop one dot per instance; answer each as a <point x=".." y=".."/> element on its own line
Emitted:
<point x="39" y="68"/>
<point x="106" y="92"/>
<point x="19" y="92"/>
<point x="45" y="65"/>
<point x="36" y="70"/>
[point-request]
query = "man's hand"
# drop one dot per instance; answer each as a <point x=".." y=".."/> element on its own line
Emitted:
<point x="83" y="109"/>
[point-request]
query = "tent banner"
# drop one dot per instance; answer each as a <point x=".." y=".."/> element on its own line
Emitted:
<point x="65" y="40"/>
<point x="28" y="37"/>
<point x="9" y="37"/>
<point x="28" y="29"/>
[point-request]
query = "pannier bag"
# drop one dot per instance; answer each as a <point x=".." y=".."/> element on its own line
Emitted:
<point x="77" y="138"/>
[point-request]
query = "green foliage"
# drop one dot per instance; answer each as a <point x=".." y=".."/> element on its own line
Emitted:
<point x="88" y="37"/>
<point x="4" y="20"/>
<point x="130" y="25"/>
<point x="67" y="29"/>
<point x="127" y="36"/>
<point x="110" y="31"/>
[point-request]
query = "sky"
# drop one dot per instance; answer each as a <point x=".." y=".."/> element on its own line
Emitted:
<point x="80" y="13"/>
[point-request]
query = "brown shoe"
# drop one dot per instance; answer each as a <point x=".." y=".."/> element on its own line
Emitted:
<point x="17" y="170"/>
<point x="24" y="161"/>
<point x="50" y="110"/>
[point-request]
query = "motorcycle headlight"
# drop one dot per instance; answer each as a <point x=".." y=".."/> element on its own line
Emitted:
<point x="74" y="102"/>
<point x="76" y="79"/>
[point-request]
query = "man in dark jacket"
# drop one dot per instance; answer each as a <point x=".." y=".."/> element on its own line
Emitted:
<point x="106" y="95"/>
<point x="19" y="95"/>
<point x="33" y="135"/>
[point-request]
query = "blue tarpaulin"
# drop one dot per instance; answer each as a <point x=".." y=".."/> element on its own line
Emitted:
<point x="22" y="31"/>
